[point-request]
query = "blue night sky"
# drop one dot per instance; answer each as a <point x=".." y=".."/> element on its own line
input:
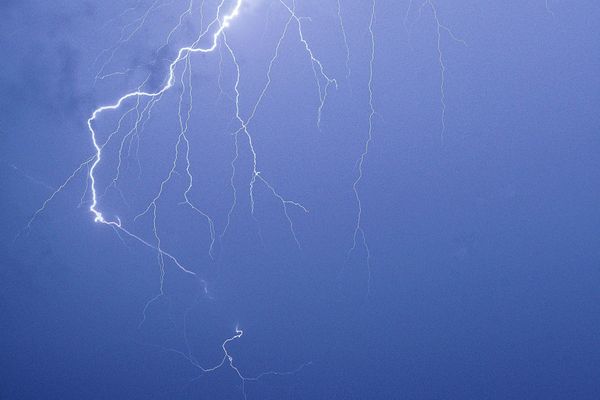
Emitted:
<point x="243" y="248"/>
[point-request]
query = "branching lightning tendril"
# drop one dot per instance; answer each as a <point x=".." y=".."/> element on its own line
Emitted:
<point x="139" y="104"/>
<point x="358" y="229"/>
<point x="141" y="115"/>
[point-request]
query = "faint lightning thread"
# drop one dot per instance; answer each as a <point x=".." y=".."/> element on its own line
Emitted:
<point x="229" y="360"/>
<point x="183" y="52"/>
<point x="130" y="135"/>
<point x="358" y="229"/>
<point x="124" y="38"/>
<point x="54" y="194"/>
<point x="256" y="174"/>
<point x="406" y="15"/>
<point x="85" y="191"/>
<point x="439" y="29"/>
<point x="319" y="73"/>
<point x="153" y="205"/>
<point x="183" y="145"/>
<point x="317" y="66"/>
<point x="184" y="129"/>
<point x="345" y="37"/>
<point x="183" y="149"/>
<point x="186" y="13"/>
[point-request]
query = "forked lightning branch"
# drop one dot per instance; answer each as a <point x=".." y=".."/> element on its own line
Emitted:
<point x="227" y="13"/>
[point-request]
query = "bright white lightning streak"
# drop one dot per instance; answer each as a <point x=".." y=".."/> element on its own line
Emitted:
<point x="228" y="359"/>
<point x="323" y="82"/>
<point x="29" y="177"/>
<point x="244" y="128"/>
<point x="133" y="133"/>
<point x="154" y="97"/>
<point x="183" y="55"/>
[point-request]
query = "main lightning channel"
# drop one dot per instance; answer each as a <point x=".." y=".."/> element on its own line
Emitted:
<point x="181" y="55"/>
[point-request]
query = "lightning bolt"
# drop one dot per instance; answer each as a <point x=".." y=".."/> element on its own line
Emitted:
<point x="136" y="107"/>
<point x="440" y="29"/>
<point x="317" y="66"/>
<point x="345" y="37"/>
<point x="228" y="360"/>
<point x="182" y="55"/>
<point x="127" y="32"/>
<point x="256" y="175"/>
<point x="30" y="178"/>
<point x="182" y="150"/>
<point x="358" y="228"/>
